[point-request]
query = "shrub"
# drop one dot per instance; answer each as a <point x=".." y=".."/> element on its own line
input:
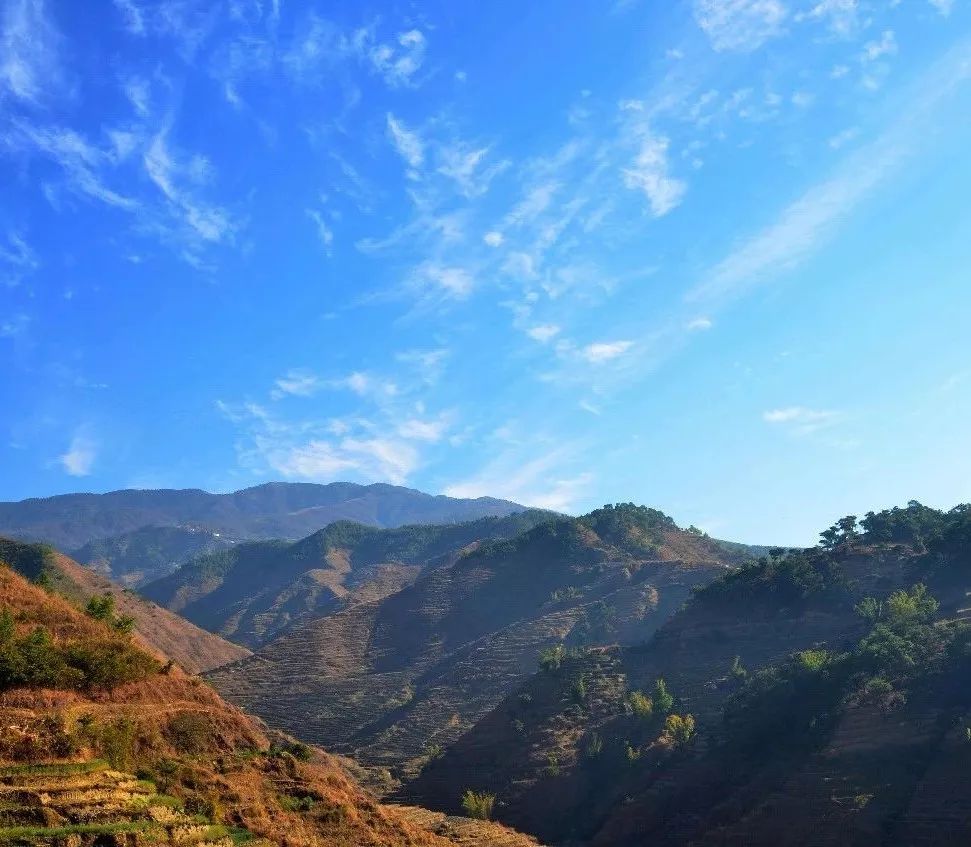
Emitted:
<point x="478" y="804"/>
<point x="679" y="729"/>
<point x="102" y="608"/>
<point x="579" y="689"/>
<point x="551" y="658"/>
<point x="35" y="661"/>
<point x="594" y="746"/>
<point x="297" y="749"/>
<point x="738" y="671"/>
<point x="117" y="742"/>
<point x="639" y="704"/>
<point x="294" y="803"/>
<point x="188" y="732"/>
<point x="813" y="660"/>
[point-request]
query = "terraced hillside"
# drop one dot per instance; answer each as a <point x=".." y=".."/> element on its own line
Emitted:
<point x="273" y="510"/>
<point x="168" y="634"/>
<point x="260" y="590"/>
<point x="829" y="701"/>
<point x="393" y="681"/>
<point x="88" y="803"/>
<point x="101" y="744"/>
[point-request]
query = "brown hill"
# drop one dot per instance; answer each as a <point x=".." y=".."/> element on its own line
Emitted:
<point x="393" y="681"/>
<point x="160" y="630"/>
<point x="87" y="711"/>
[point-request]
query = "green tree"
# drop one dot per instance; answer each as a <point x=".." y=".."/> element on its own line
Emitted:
<point x="639" y="704"/>
<point x="551" y="658"/>
<point x="679" y="729"/>
<point x="662" y="698"/>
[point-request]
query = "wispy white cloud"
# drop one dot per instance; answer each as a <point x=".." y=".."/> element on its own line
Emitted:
<point x="367" y="385"/>
<point x="300" y="383"/>
<point x="82" y="163"/>
<point x="429" y="364"/>
<point x="432" y="431"/>
<point x="17" y="259"/>
<point x="800" y="419"/>
<point x="469" y="168"/>
<point x="842" y="138"/>
<point x="543" y="332"/>
<point x="841" y="16"/>
<point x="533" y="477"/>
<point x="604" y="351"/>
<point x="132" y="15"/>
<point x="138" y="92"/>
<point x="879" y="48"/>
<point x="649" y="173"/>
<point x="436" y="282"/>
<point x="196" y="221"/>
<point x="398" y="63"/>
<point x="14" y="326"/>
<point x="80" y="456"/>
<point x="741" y="25"/>
<point x="29" y="61"/>
<point x="324" y="231"/>
<point x="699" y="324"/>
<point x="371" y="458"/>
<point x="407" y="142"/>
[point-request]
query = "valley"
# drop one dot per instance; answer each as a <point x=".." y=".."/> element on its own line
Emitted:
<point x="598" y="680"/>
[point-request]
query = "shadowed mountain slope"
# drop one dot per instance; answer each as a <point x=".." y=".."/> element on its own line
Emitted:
<point x="273" y="510"/>
<point x="83" y="710"/>
<point x="257" y="591"/>
<point x="160" y="630"/>
<point x="134" y="558"/>
<point x="828" y="700"/>
<point x="393" y="680"/>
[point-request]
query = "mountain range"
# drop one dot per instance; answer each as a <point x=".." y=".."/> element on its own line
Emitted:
<point x="134" y="536"/>
<point x="392" y="680"/>
<point x="609" y="679"/>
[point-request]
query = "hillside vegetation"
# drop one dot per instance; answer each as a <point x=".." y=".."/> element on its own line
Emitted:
<point x="257" y="591"/>
<point x="395" y="681"/>
<point x="103" y="744"/>
<point x="193" y="648"/>
<point x="819" y="696"/>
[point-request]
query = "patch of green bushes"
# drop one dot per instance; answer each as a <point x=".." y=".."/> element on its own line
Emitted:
<point x="34" y="660"/>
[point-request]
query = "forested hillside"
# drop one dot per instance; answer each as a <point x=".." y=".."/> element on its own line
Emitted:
<point x="818" y="696"/>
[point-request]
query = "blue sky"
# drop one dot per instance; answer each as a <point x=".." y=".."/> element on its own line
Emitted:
<point x="712" y="255"/>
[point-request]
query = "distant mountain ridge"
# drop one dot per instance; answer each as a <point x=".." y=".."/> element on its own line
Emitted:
<point x="259" y="590"/>
<point x="127" y="526"/>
